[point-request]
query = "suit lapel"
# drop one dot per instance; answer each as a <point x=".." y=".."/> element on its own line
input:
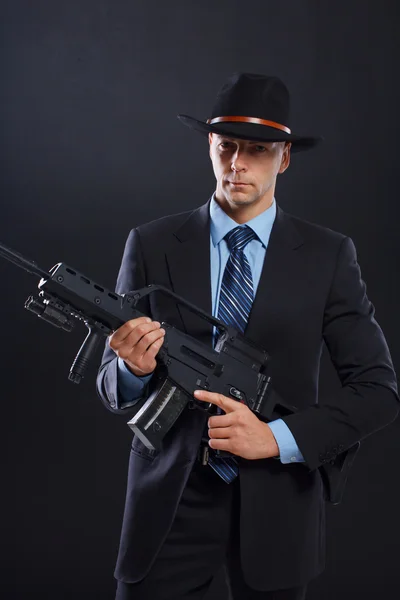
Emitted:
<point x="188" y="261"/>
<point x="276" y="272"/>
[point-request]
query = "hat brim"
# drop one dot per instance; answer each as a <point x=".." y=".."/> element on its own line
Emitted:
<point x="251" y="131"/>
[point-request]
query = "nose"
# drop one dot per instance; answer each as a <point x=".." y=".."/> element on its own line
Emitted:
<point x="238" y="163"/>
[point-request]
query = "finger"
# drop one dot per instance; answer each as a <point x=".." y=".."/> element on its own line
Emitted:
<point x="227" y="404"/>
<point x="135" y="350"/>
<point x="221" y="445"/>
<point x="221" y="433"/>
<point x="221" y="421"/>
<point x="147" y="340"/>
<point x="127" y="327"/>
<point x="147" y="362"/>
<point x="153" y="350"/>
<point x="131" y="332"/>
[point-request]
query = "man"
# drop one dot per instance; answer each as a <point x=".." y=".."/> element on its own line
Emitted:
<point x="289" y="286"/>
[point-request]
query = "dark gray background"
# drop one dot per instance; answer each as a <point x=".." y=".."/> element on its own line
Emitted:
<point x="91" y="147"/>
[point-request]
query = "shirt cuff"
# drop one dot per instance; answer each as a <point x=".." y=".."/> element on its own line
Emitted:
<point x="130" y="386"/>
<point x="288" y="449"/>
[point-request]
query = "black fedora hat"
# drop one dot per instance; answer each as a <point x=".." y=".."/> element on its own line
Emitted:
<point x="252" y="107"/>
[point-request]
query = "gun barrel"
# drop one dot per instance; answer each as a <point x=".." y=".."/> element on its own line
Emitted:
<point x="22" y="262"/>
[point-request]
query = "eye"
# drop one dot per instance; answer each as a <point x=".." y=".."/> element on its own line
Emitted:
<point x="260" y="149"/>
<point x="226" y="145"/>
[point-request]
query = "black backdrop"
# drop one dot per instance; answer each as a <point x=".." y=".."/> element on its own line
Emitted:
<point x="91" y="147"/>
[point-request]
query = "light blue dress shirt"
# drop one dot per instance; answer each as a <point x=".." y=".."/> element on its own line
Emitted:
<point x="130" y="387"/>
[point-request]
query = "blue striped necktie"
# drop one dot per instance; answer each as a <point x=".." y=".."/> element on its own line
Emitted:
<point x="235" y="300"/>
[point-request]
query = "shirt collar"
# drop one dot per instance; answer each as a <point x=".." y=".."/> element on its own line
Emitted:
<point x="221" y="223"/>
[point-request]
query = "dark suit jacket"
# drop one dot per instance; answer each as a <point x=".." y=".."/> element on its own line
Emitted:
<point x="310" y="292"/>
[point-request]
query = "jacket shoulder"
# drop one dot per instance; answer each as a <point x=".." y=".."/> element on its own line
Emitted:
<point x="314" y="233"/>
<point x="164" y="225"/>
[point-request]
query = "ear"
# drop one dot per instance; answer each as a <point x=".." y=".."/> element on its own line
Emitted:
<point x="285" y="161"/>
<point x="210" y="142"/>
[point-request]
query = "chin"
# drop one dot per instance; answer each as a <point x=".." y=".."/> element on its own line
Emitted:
<point x="239" y="202"/>
<point x="240" y="199"/>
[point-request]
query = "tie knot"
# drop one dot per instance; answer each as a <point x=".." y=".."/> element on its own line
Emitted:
<point x="239" y="237"/>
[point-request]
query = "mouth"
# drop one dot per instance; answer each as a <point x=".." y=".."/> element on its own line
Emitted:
<point x="238" y="184"/>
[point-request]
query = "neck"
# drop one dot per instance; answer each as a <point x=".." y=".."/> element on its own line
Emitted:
<point x="242" y="213"/>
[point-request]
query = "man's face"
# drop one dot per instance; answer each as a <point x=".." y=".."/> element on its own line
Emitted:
<point x="246" y="171"/>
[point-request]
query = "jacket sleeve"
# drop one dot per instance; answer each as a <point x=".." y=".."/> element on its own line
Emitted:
<point x="132" y="276"/>
<point x="368" y="398"/>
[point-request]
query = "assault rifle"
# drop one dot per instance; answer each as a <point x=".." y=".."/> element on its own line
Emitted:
<point x="237" y="367"/>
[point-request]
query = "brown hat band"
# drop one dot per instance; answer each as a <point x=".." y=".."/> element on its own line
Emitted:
<point x="249" y="120"/>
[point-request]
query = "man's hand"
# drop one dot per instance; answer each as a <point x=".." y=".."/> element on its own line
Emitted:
<point x="239" y="431"/>
<point x="137" y="342"/>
